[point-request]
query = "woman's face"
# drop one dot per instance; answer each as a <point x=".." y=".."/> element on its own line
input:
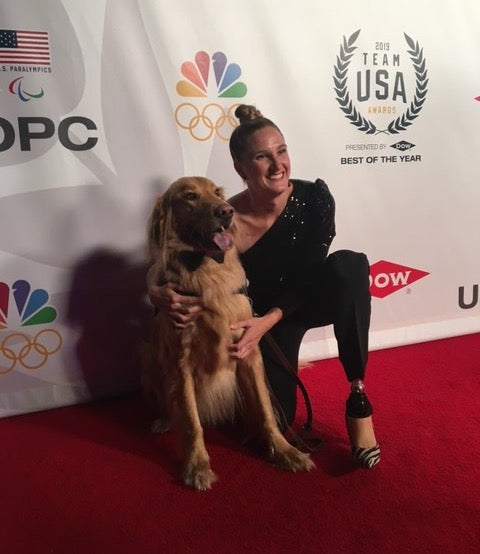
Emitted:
<point x="265" y="165"/>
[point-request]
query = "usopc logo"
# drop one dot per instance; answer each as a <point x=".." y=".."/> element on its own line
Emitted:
<point x="469" y="300"/>
<point x="17" y="344"/>
<point x="15" y="87"/>
<point x="379" y="85"/>
<point x="403" y="145"/>
<point x="208" y="77"/>
<point x="387" y="277"/>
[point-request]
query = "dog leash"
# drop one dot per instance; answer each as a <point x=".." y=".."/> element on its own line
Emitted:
<point x="303" y="438"/>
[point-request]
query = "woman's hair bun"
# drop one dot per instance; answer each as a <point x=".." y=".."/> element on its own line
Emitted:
<point x="246" y="113"/>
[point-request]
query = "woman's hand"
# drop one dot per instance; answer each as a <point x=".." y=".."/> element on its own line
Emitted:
<point x="183" y="309"/>
<point x="255" y="328"/>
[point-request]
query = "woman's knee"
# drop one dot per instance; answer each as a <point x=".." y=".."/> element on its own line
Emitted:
<point x="348" y="264"/>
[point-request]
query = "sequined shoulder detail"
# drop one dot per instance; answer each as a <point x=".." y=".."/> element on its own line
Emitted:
<point x="309" y="197"/>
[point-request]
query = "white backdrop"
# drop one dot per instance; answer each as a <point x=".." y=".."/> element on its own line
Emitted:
<point x="104" y="103"/>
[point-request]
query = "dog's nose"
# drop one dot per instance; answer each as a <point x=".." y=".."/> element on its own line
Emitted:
<point x="225" y="211"/>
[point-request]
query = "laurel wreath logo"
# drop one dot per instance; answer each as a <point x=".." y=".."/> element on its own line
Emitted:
<point x="347" y="50"/>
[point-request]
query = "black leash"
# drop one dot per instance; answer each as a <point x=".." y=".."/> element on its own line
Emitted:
<point x="304" y="438"/>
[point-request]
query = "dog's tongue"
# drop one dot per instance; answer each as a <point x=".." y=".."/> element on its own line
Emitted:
<point x="223" y="240"/>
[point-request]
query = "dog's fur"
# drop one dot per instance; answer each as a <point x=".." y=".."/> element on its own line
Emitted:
<point x="189" y="372"/>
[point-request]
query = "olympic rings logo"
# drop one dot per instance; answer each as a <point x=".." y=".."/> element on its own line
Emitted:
<point x="31" y="353"/>
<point x="202" y="125"/>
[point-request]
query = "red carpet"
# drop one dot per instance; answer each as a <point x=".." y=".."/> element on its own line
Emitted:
<point x="89" y="479"/>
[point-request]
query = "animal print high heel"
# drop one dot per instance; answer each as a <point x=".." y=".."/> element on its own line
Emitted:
<point x="358" y="407"/>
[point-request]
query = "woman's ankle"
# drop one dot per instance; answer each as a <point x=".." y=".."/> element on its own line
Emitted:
<point x="358" y="405"/>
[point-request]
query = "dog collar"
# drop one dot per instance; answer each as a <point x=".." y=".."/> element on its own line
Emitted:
<point x="192" y="259"/>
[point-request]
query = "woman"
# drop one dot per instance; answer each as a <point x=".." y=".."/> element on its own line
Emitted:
<point x="285" y="228"/>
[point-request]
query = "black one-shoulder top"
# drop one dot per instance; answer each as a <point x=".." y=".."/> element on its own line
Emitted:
<point x="281" y="266"/>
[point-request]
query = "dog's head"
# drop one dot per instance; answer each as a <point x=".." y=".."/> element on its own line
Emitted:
<point x="193" y="211"/>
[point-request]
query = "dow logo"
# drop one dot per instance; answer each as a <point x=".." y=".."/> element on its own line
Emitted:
<point x="25" y="338"/>
<point x="403" y="146"/>
<point x="387" y="277"/>
<point x="204" y="78"/>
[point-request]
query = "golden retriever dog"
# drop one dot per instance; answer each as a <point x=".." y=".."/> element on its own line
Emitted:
<point x="188" y="372"/>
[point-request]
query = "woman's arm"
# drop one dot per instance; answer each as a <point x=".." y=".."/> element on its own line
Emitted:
<point x="255" y="328"/>
<point x="170" y="298"/>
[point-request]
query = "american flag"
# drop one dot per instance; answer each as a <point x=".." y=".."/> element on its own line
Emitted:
<point x="24" y="47"/>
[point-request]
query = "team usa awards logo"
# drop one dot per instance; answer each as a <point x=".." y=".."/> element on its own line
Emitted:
<point x="206" y="77"/>
<point x="22" y="342"/>
<point x="381" y="88"/>
<point x="388" y="277"/>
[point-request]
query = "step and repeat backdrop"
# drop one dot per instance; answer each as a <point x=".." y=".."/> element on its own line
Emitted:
<point x="104" y="103"/>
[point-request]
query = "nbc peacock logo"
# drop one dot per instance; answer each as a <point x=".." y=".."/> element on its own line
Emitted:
<point x="209" y="77"/>
<point x="22" y="342"/>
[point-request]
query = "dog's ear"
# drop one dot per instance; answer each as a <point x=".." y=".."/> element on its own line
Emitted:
<point x="156" y="227"/>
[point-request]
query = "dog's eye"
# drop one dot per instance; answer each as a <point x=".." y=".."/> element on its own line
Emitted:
<point x="218" y="192"/>
<point x="190" y="196"/>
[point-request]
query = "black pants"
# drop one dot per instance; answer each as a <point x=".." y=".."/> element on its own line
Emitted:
<point x="341" y="297"/>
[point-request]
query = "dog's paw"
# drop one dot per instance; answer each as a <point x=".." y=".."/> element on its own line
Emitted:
<point x="160" y="425"/>
<point x="199" y="476"/>
<point x="291" y="459"/>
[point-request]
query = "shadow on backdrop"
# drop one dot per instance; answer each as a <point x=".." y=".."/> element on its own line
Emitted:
<point x="108" y="308"/>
